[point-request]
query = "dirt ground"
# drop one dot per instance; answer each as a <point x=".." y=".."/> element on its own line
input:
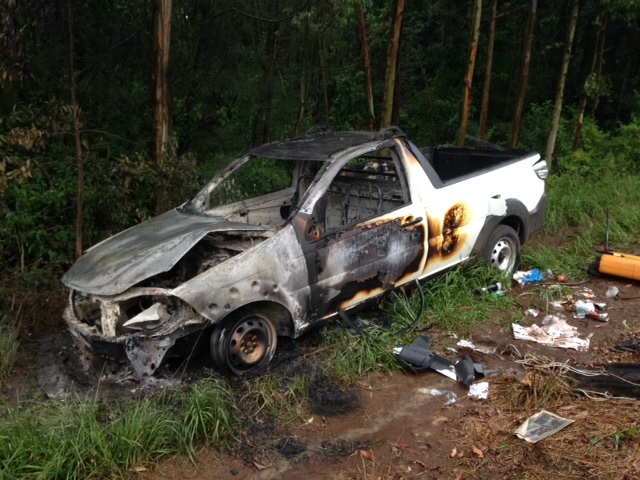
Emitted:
<point x="397" y="431"/>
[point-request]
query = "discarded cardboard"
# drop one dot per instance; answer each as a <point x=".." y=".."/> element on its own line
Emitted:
<point x="541" y="425"/>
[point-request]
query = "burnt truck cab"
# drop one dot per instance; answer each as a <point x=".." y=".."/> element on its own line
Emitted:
<point x="294" y="232"/>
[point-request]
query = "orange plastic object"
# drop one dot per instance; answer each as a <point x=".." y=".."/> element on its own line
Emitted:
<point x="620" y="265"/>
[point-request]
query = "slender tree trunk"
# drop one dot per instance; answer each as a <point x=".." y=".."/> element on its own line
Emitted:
<point x="79" y="157"/>
<point x="557" y="109"/>
<point x="261" y="124"/>
<point x="162" y="40"/>
<point x="583" y="103"/>
<point x="397" y="91"/>
<point x="484" y="111"/>
<point x="392" y="63"/>
<point x="524" y="74"/>
<point x="468" y="79"/>
<point x="304" y="81"/>
<point x="323" y="70"/>
<point x="627" y="69"/>
<point x="367" y="70"/>
<point x="596" y="100"/>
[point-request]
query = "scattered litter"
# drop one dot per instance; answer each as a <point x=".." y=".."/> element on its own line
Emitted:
<point x="450" y="397"/>
<point x="524" y="277"/>
<point x="419" y="357"/>
<point x="585" y="293"/>
<point x="561" y="278"/>
<point x="612" y="292"/>
<point x="496" y="287"/>
<point x="629" y="345"/>
<point x="547" y="319"/>
<point x="479" y="390"/>
<point x="478" y="348"/>
<point x="590" y="309"/>
<point x="495" y="290"/>
<point x="615" y="380"/>
<point x="532" y="312"/>
<point x="557" y="333"/>
<point x="557" y="305"/>
<point x="541" y="425"/>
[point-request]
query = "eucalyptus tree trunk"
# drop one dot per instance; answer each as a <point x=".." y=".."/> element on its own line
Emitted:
<point x="468" y="79"/>
<point x="367" y="70"/>
<point x="598" y="91"/>
<point x="162" y="41"/>
<point x="583" y="102"/>
<point x="392" y="63"/>
<point x="557" y="109"/>
<point x="79" y="157"/>
<point x="323" y="70"/>
<point x="484" y="110"/>
<point x="260" y="125"/>
<point x="304" y="81"/>
<point x="524" y="74"/>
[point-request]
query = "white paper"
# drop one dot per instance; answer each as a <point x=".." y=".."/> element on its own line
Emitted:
<point x="557" y="333"/>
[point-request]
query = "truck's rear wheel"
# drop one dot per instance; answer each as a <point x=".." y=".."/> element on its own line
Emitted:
<point x="502" y="250"/>
<point x="245" y="344"/>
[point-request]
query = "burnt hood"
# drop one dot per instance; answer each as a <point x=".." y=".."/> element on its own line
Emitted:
<point x="155" y="246"/>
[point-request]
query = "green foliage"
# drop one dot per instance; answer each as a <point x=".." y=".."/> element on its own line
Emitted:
<point x="208" y="413"/>
<point x="256" y="177"/>
<point x="579" y="198"/>
<point x="26" y="134"/>
<point x="9" y="347"/>
<point x="87" y="439"/>
<point x="455" y="306"/>
<point x="278" y="396"/>
<point x="604" y="152"/>
<point x="616" y="437"/>
<point x="353" y="357"/>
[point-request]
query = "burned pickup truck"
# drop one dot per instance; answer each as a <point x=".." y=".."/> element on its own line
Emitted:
<point x="294" y="233"/>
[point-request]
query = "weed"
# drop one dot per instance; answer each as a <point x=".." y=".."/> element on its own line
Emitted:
<point x="87" y="439"/>
<point x="617" y="437"/>
<point x="9" y="346"/>
<point x="279" y="397"/>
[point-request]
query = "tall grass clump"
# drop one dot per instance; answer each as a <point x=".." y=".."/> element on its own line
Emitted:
<point x="89" y="439"/>
<point x="9" y="347"/>
<point x="354" y="357"/>
<point x="451" y="303"/>
<point x="602" y="177"/>
<point x="280" y="397"/>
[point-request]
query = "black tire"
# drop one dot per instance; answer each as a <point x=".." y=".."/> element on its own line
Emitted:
<point x="244" y="344"/>
<point x="502" y="250"/>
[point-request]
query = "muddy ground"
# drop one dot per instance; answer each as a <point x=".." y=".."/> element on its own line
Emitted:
<point x="387" y="427"/>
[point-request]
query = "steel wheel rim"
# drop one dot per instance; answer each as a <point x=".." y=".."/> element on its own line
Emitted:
<point x="248" y="344"/>
<point x="503" y="255"/>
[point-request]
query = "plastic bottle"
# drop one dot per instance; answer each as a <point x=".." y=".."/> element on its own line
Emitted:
<point x="496" y="288"/>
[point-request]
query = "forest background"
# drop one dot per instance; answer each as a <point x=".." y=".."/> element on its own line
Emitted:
<point x="112" y="112"/>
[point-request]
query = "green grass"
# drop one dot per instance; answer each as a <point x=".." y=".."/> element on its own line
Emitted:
<point x="88" y="439"/>
<point x="279" y="397"/>
<point x="577" y="218"/>
<point x="9" y="347"/>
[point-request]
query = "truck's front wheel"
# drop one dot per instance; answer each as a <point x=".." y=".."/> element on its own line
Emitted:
<point x="502" y="250"/>
<point x="245" y="344"/>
